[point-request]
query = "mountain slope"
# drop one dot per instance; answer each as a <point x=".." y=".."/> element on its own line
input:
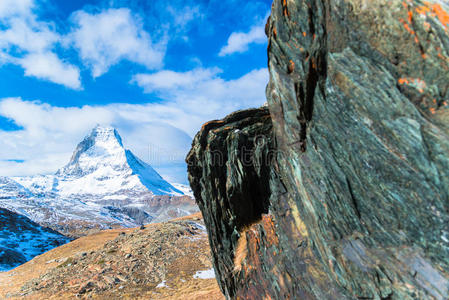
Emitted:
<point x="101" y="166"/>
<point x="162" y="261"/>
<point x="21" y="239"/>
<point x="103" y="186"/>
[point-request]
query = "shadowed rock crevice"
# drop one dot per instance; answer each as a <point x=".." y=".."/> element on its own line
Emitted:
<point x="230" y="164"/>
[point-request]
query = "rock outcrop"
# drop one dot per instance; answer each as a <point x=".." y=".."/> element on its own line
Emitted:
<point x="345" y="194"/>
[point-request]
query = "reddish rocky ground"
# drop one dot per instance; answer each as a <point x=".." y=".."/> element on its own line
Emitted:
<point x="161" y="261"/>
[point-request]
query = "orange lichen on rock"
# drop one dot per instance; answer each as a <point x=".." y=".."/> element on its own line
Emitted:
<point x="403" y="81"/>
<point x="291" y="66"/>
<point x="422" y="10"/>
<point x="269" y="229"/>
<point x="410" y="16"/>
<point x="407" y="26"/>
<point x="418" y="83"/>
<point x="441" y="14"/>
<point x="211" y="122"/>
<point x="435" y="10"/>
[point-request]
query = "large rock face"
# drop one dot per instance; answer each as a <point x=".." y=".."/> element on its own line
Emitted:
<point x="354" y="201"/>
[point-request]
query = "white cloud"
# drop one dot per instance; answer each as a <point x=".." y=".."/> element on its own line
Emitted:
<point x="27" y="42"/>
<point x="113" y="35"/>
<point x="48" y="66"/>
<point x="184" y="15"/>
<point x="15" y="7"/>
<point x="167" y="79"/>
<point x="201" y="94"/>
<point x="50" y="133"/>
<point x="27" y="35"/>
<point x="238" y="42"/>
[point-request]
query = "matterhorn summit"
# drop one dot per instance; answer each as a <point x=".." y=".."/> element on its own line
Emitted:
<point x="101" y="165"/>
<point x="102" y="148"/>
<point x="103" y="185"/>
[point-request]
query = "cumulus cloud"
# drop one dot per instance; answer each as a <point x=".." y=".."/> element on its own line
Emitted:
<point x="102" y="40"/>
<point x="202" y="94"/>
<point x="15" y="7"/>
<point x="51" y="133"/>
<point x="159" y="133"/>
<point x="113" y="35"/>
<point x="30" y="43"/>
<point x="48" y="66"/>
<point x="239" y="42"/>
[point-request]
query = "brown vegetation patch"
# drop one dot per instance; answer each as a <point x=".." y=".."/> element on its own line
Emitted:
<point x="156" y="262"/>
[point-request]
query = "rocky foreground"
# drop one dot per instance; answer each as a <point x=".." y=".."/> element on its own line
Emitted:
<point x="346" y="192"/>
<point x="161" y="261"/>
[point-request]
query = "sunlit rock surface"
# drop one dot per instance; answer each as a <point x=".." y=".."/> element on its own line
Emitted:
<point x="354" y="201"/>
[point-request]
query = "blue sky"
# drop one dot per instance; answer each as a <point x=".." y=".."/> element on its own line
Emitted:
<point x="155" y="70"/>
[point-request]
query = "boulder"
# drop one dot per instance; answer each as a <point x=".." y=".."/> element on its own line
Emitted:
<point x="346" y="193"/>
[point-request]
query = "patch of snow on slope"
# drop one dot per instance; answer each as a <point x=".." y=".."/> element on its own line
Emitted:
<point x="207" y="274"/>
<point x="21" y="239"/>
<point x="185" y="189"/>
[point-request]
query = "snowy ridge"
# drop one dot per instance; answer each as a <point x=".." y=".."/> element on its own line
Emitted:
<point x="21" y="239"/>
<point x="101" y="165"/>
<point x="103" y="185"/>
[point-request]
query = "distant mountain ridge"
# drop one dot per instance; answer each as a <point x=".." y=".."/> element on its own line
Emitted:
<point x="103" y="185"/>
<point x="21" y="239"/>
<point x="101" y="161"/>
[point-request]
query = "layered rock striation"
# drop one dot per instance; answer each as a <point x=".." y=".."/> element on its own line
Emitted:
<point x="346" y="193"/>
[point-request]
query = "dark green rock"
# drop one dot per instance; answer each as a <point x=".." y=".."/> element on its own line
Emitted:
<point x="351" y="199"/>
<point x="227" y="167"/>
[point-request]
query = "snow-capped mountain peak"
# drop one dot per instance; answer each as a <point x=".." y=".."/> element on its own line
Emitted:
<point x="103" y="147"/>
<point x="103" y="184"/>
<point x="101" y="165"/>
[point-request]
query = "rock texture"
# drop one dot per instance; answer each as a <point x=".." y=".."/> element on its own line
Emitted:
<point x="159" y="261"/>
<point x="347" y="195"/>
<point x="231" y="188"/>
